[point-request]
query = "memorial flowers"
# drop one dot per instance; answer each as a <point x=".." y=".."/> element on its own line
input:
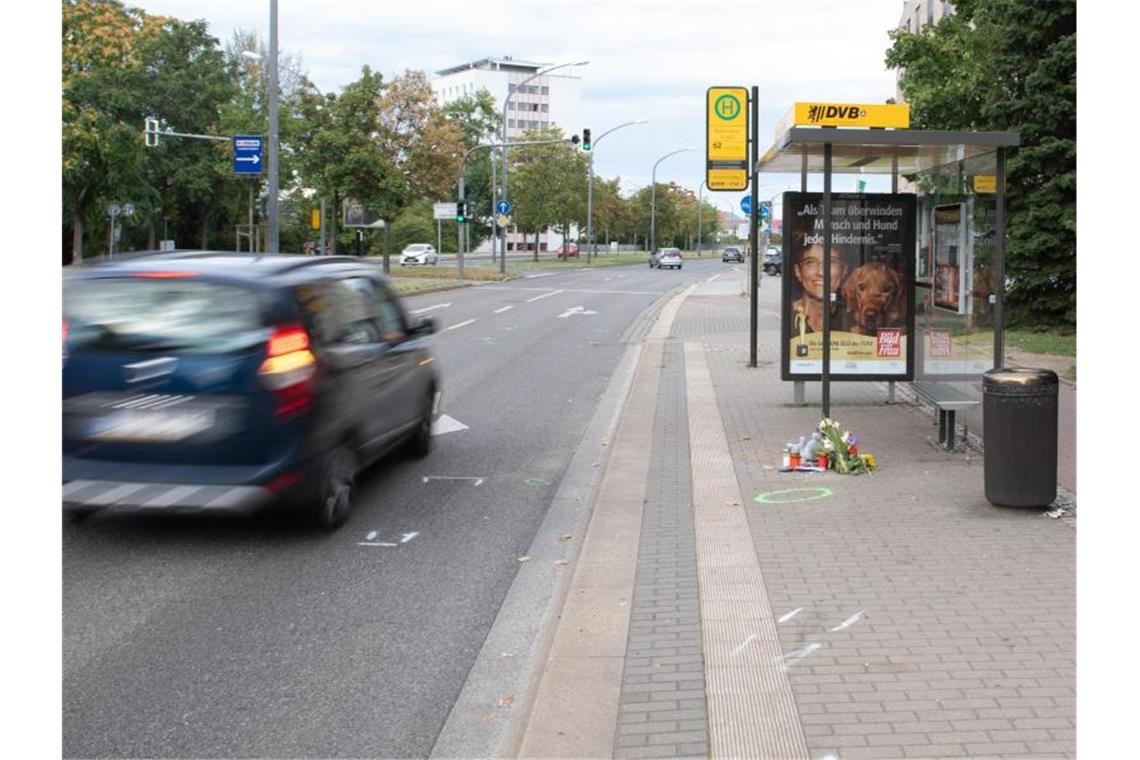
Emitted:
<point x="842" y="449"/>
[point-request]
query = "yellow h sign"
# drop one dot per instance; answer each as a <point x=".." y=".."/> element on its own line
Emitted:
<point x="726" y="123"/>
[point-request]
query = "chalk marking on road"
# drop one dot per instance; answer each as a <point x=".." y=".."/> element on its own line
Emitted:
<point x="789" y="615"/>
<point x="747" y="641"/>
<point x="815" y="493"/>
<point x="445" y="423"/>
<point x="799" y="654"/>
<point x="372" y="535"/>
<point x="714" y="277"/>
<point x="478" y="481"/>
<point x="849" y="621"/>
<point x="461" y="324"/>
<point x="432" y="308"/>
<point x="536" y="276"/>
<point x="544" y="295"/>
<point x="582" y="310"/>
<point x="381" y="543"/>
<point x="505" y="308"/>
<point x="405" y="538"/>
<point x="536" y="482"/>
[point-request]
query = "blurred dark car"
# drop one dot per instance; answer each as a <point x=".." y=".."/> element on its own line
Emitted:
<point x="773" y="261"/>
<point x="732" y="253"/>
<point x="221" y="382"/>
<point x="567" y="250"/>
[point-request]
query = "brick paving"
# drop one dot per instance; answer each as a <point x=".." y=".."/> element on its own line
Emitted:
<point x="930" y="624"/>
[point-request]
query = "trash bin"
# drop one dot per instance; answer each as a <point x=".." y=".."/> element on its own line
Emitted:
<point x="1019" y="416"/>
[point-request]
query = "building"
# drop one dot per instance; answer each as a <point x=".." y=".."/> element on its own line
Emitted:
<point x="550" y="100"/>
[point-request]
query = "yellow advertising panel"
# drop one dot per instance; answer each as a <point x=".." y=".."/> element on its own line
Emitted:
<point x="985" y="183"/>
<point x="851" y="115"/>
<point x="727" y="138"/>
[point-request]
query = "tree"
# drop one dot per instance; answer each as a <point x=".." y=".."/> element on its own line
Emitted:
<point x="549" y="184"/>
<point x="480" y="123"/>
<point x="1008" y="65"/>
<point x="415" y="133"/>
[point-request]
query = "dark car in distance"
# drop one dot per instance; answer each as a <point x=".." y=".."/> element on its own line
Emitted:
<point x="219" y="382"/>
<point x="773" y="261"/>
<point x="732" y="253"/>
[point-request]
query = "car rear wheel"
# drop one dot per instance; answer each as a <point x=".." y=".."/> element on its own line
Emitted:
<point x="336" y="488"/>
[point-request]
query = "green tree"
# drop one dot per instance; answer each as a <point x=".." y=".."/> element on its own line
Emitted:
<point x="480" y="122"/>
<point x="1009" y="65"/>
<point x="549" y="185"/>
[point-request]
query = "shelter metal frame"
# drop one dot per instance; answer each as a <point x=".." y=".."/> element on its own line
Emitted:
<point x="831" y="150"/>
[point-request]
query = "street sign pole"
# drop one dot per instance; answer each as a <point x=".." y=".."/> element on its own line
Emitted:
<point x="754" y="275"/>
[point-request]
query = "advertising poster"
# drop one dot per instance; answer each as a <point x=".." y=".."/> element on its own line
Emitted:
<point x="948" y="256"/>
<point x="872" y="282"/>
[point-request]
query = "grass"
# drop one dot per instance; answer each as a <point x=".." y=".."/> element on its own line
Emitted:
<point x="1050" y="342"/>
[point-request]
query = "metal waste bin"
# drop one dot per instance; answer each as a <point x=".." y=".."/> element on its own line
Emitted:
<point x="1019" y="416"/>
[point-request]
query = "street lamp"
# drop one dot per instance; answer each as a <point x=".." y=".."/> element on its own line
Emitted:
<point x="653" y="201"/>
<point x="506" y="102"/>
<point x="590" y="188"/>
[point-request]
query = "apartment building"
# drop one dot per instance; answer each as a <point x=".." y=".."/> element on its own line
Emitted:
<point x="915" y="15"/>
<point x="546" y="101"/>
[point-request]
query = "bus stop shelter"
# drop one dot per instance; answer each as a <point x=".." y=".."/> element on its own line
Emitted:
<point x="959" y="180"/>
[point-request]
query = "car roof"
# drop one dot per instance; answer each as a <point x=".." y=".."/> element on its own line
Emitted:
<point x="225" y="264"/>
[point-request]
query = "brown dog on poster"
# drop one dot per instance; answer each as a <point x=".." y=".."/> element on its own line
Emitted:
<point x="875" y="298"/>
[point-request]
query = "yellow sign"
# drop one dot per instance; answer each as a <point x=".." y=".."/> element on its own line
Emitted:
<point x="851" y="115"/>
<point x="985" y="183"/>
<point x="727" y="138"/>
<point x="315" y="219"/>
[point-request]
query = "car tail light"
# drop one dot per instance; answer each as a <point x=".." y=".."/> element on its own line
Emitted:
<point x="65" y="340"/>
<point x="163" y="275"/>
<point x="289" y="369"/>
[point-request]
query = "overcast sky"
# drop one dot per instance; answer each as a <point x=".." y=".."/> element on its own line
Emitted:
<point x="647" y="60"/>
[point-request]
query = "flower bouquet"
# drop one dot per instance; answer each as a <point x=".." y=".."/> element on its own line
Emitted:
<point x="842" y="449"/>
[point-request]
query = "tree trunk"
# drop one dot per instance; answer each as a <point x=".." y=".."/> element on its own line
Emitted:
<point x="150" y="236"/>
<point x="332" y="223"/>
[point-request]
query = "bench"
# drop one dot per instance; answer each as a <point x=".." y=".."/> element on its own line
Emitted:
<point x="949" y="400"/>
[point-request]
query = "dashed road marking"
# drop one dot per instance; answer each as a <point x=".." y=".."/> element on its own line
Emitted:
<point x="544" y="295"/>
<point x="461" y="324"/>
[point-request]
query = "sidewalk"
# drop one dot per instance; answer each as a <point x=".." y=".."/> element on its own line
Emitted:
<point x="892" y="615"/>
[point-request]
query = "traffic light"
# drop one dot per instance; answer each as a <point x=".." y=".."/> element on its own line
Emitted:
<point x="150" y="131"/>
<point x="585" y="139"/>
<point x="461" y="212"/>
<point x="574" y="139"/>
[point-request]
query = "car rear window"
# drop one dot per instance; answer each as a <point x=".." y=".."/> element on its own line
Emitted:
<point x="155" y="314"/>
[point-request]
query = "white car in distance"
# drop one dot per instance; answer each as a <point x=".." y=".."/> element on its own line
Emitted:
<point x="418" y="253"/>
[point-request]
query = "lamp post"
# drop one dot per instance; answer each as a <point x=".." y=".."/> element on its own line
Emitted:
<point x="653" y="201"/>
<point x="273" y="236"/>
<point x="700" y="200"/>
<point x="591" y="252"/>
<point x="506" y="102"/>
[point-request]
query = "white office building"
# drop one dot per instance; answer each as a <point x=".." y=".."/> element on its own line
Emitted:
<point x="546" y="101"/>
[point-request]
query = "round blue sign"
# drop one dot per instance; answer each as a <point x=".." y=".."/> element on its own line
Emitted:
<point x="746" y="204"/>
<point x="503" y="207"/>
<point x="765" y="211"/>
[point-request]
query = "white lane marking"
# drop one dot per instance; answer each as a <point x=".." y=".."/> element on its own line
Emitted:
<point x="746" y="642"/>
<point x="849" y="621"/>
<point x="381" y="543"/>
<point x="478" y="481"/>
<point x="581" y="290"/>
<point x="432" y="308"/>
<point x="409" y="536"/>
<point x="544" y="295"/>
<point x="505" y="308"/>
<point x="461" y="324"/>
<point x="575" y="310"/>
<point x="713" y="277"/>
<point x="372" y="535"/>
<point x="789" y="615"/>
<point x="536" y="276"/>
<point x="445" y="423"/>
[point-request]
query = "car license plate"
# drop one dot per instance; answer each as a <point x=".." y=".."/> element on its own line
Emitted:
<point x="130" y="425"/>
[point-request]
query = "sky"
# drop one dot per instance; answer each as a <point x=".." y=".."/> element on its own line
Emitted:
<point x="646" y="60"/>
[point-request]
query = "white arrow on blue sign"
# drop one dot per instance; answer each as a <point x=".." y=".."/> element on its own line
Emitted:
<point x="247" y="154"/>
<point x="746" y="205"/>
<point x="503" y="207"/>
<point x="765" y="211"/>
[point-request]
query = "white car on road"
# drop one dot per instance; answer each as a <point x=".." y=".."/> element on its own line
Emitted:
<point x="418" y="253"/>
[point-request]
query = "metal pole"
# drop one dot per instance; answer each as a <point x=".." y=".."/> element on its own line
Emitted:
<point x="462" y="226"/>
<point x="590" y="212"/>
<point x="111" y="234"/>
<point x="324" y="231"/>
<point x="826" y="373"/>
<point x="999" y="263"/>
<point x="273" y="243"/>
<point x="438" y="237"/>
<point x="653" y="212"/>
<point x="251" y="216"/>
<point x="494" y="207"/>
<point x="754" y="212"/>
<point x="700" y="200"/>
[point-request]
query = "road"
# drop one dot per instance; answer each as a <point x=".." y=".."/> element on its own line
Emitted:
<point x="210" y="638"/>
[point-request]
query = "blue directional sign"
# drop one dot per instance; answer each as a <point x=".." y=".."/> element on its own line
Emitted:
<point x="765" y="211"/>
<point x="746" y="205"/>
<point x="247" y="154"/>
<point x="503" y="207"/>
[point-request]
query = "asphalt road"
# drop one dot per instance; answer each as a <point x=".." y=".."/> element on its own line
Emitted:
<point x="237" y="638"/>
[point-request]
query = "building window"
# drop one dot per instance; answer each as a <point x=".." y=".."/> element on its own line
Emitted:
<point x="511" y="123"/>
<point x="545" y="90"/>
<point x="545" y="107"/>
<point x="512" y="87"/>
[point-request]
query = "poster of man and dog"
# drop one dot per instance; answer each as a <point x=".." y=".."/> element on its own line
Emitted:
<point x="871" y="282"/>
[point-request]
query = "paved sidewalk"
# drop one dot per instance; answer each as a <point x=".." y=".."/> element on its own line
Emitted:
<point x="814" y="615"/>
